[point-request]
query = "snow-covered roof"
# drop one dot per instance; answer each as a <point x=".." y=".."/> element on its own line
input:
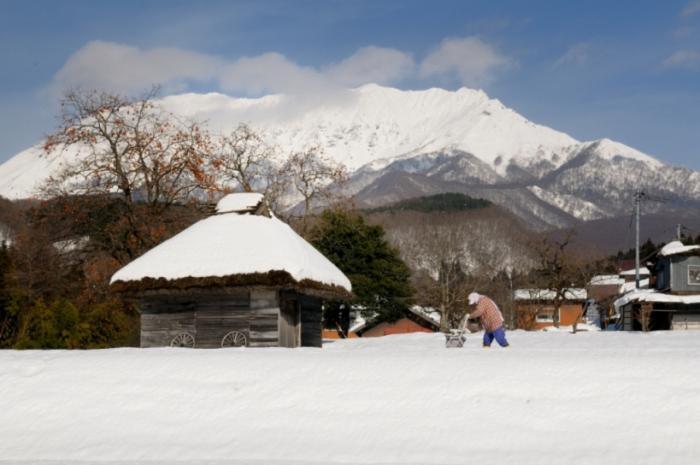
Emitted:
<point x="239" y="203"/>
<point x="358" y="323"/>
<point x="233" y="244"/>
<point x="630" y="286"/>
<point x="651" y="295"/>
<point x="677" y="248"/>
<point x="607" y="280"/>
<point x="427" y="313"/>
<point x="548" y="294"/>
<point x="643" y="271"/>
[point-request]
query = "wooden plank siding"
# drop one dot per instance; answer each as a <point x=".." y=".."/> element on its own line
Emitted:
<point x="158" y="329"/>
<point x="311" y="322"/>
<point x="209" y="317"/>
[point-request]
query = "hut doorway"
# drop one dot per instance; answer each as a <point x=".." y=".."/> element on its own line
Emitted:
<point x="290" y="327"/>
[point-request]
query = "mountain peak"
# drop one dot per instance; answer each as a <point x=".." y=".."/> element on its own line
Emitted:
<point x="371" y="127"/>
<point x="610" y="149"/>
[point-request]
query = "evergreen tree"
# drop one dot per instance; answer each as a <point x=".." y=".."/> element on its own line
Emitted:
<point x="8" y="319"/>
<point x="380" y="279"/>
<point x="54" y="326"/>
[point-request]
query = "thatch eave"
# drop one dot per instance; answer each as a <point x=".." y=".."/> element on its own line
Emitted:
<point x="276" y="278"/>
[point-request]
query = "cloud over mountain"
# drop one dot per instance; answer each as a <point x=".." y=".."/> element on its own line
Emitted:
<point x="124" y="68"/>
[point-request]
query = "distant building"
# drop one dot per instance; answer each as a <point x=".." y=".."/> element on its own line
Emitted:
<point x="672" y="300"/>
<point x="602" y="288"/>
<point x="539" y="305"/>
<point x="416" y="320"/>
<point x="240" y="277"/>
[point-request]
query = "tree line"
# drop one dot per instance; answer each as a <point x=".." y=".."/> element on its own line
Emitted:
<point x="136" y="174"/>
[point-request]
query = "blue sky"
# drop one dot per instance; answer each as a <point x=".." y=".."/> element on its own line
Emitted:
<point x="627" y="70"/>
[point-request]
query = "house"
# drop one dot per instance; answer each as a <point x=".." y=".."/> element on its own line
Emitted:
<point x="240" y="277"/>
<point x="602" y="288"/>
<point x="536" y="307"/>
<point x="630" y="275"/>
<point x="672" y="300"/>
<point x="416" y="320"/>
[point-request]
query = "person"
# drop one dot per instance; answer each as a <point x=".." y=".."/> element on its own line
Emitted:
<point x="491" y="319"/>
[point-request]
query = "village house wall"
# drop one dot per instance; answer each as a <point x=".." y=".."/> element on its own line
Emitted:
<point x="569" y="313"/>
<point x="401" y="326"/>
<point x="681" y="268"/>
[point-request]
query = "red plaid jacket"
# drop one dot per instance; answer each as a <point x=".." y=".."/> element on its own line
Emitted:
<point x="487" y="310"/>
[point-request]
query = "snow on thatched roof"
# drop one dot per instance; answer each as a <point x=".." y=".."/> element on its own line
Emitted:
<point x="233" y="249"/>
<point x="677" y="248"/>
<point x="239" y="203"/>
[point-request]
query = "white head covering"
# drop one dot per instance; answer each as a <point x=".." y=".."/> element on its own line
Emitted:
<point x="474" y="298"/>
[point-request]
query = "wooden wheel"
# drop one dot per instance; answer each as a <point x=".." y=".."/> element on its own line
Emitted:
<point x="234" y="339"/>
<point x="183" y="340"/>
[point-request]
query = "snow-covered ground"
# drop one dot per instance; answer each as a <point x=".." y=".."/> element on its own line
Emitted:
<point x="589" y="398"/>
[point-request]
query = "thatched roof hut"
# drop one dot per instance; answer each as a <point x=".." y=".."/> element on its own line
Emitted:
<point x="238" y="277"/>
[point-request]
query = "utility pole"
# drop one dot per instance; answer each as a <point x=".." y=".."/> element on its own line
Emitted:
<point x="679" y="231"/>
<point x="638" y="196"/>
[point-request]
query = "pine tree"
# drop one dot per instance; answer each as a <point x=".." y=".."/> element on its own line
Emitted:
<point x="380" y="279"/>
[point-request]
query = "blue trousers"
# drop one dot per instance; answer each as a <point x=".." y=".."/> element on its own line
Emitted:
<point x="500" y="336"/>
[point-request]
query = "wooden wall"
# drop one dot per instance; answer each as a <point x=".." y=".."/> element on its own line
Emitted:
<point x="569" y="312"/>
<point x="209" y="316"/>
<point x="679" y="273"/>
<point x="311" y="322"/>
<point x="308" y="317"/>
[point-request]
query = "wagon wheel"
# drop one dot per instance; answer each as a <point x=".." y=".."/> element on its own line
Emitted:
<point x="234" y="339"/>
<point x="183" y="340"/>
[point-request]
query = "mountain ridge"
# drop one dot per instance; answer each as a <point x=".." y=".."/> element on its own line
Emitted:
<point x="460" y="140"/>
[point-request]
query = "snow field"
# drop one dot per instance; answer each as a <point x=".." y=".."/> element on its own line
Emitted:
<point x="553" y="397"/>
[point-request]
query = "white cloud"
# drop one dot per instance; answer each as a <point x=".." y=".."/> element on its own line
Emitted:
<point x="107" y="65"/>
<point x="269" y="72"/>
<point x="372" y="64"/>
<point x="577" y="55"/>
<point x="691" y="9"/>
<point x="468" y="59"/>
<point x="123" y="68"/>
<point x="689" y="59"/>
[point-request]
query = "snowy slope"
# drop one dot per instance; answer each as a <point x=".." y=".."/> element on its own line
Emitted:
<point x="457" y="139"/>
<point x="374" y="123"/>
<point x="552" y="398"/>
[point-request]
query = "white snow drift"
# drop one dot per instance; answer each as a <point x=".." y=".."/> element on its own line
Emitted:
<point x="551" y="398"/>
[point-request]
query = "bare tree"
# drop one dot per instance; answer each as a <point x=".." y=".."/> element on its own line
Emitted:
<point x="559" y="271"/>
<point x="243" y="158"/>
<point x="441" y="253"/>
<point x="454" y="253"/>
<point x="130" y="147"/>
<point x="315" y="178"/>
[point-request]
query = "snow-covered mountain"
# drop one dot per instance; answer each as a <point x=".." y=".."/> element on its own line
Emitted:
<point x="408" y="143"/>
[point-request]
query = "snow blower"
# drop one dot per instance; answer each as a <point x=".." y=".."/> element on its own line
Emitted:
<point x="456" y="337"/>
